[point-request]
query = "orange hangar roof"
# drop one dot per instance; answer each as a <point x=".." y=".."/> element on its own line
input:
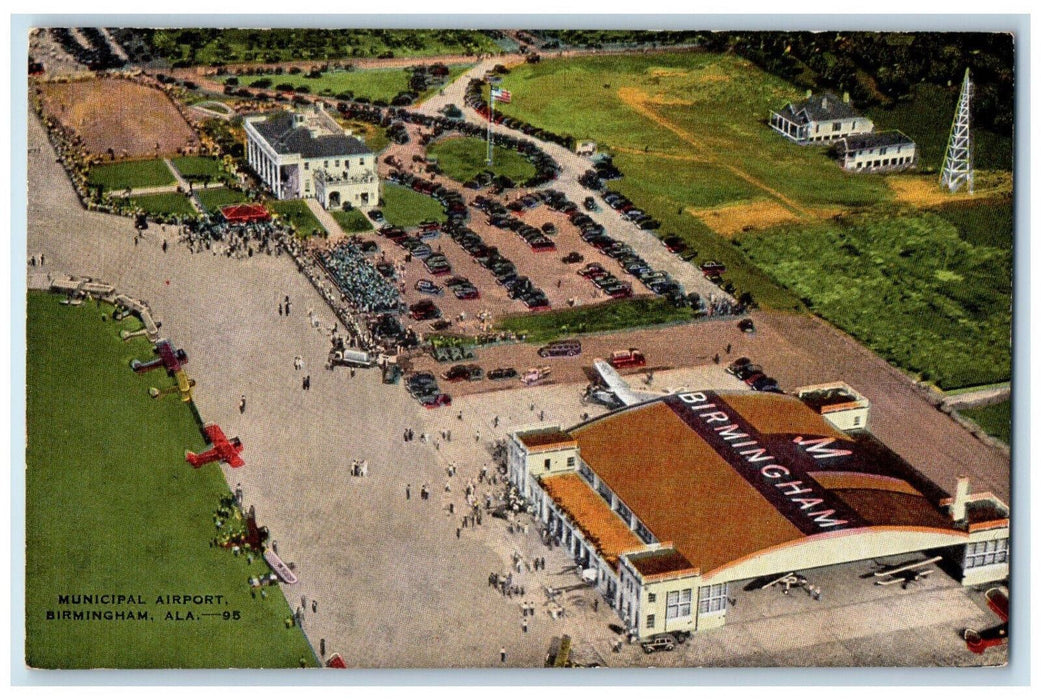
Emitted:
<point x="723" y="476"/>
<point x="599" y="524"/>
<point x="549" y="439"/>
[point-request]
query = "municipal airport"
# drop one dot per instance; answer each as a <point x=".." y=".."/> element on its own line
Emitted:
<point x="390" y="358"/>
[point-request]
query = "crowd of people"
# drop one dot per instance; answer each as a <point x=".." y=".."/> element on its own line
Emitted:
<point x="235" y="240"/>
<point x="359" y="282"/>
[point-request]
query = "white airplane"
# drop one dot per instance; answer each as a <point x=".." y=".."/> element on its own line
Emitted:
<point x="621" y="389"/>
<point x="906" y="574"/>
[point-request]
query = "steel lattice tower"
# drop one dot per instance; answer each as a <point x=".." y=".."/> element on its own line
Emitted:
<point x="957" y="161"/>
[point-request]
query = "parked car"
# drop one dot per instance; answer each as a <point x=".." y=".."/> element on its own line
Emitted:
<point x="428" y="287"/>
<point x="764" y="384"/>
<point x="659" y="642"/>
<point x="592" y="269"/>
<point x="502" y="373"/>
<point x="424" y="310"/>
<point x="746" y="325"/>
<point x="435" y="400"/>
<point x="572" y="258"/>
<point x="535" y="375"/>
<point x="590" y="204"/>
<point x="737" y="364"/>
<point x="458" y="373"/>
<point x="376" y="215"/>
<point x="713" y="269"/>
<point x="561" y="348"/>
<point x="745" y="371"/>
<point x="674" y="244"/>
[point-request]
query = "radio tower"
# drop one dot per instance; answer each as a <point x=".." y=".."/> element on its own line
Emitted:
<point x="957" y="161"/>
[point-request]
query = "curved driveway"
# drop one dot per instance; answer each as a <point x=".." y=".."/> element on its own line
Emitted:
<point x="645" y="243"/>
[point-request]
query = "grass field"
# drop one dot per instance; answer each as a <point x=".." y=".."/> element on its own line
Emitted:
<point x="909" y="285"/>
<point x="406" y="208"/>
<point x="375" y="137"/>
<point x="111" y="507"/>
<point x="608" y="316"/>
<point x="198" y="167"/>
<point x="995" y="419"/>
<point x="353" y="221"/>
<point x="163" y="204"/>
<point x="217" y="197"/>
<point x="462" y="157"/>
<point x="295" y="212"/>
<point x="373" y="83"/>
<point x="132" y="174"/>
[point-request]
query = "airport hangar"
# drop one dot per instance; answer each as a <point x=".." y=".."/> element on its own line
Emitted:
<point x="665" y="503"/>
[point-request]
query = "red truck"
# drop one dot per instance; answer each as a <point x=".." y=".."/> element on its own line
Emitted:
<point x="627" y="358"/>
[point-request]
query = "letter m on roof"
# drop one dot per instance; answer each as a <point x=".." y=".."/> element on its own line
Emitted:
<point x="818" y="447"/>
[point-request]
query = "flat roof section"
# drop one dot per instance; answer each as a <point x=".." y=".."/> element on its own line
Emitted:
<point x="546" y="439"/>
<point x="599" y="524"/>
<point x="660" y="562"/>
<point x="773" y="413"/>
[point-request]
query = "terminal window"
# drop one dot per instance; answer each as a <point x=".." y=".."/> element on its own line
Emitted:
<point x="677" y="604"/>
<point x="650" y="621"/>
<point x="986" y="553"/>
<point x="712" y="598"/>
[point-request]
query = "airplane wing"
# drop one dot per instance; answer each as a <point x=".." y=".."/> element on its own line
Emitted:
<point x="213" y="433"/>
<point x="167" y="354"/>
<point x="235" y="461"/>
<point x="619" y="387"/>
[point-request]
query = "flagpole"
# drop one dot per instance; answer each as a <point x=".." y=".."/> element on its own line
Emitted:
<point x="491" y="115"/>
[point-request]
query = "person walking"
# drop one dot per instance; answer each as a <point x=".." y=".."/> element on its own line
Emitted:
<point x="242" y="404"/>
<point x="502" y="655"/>
<point x="408" y="492"/>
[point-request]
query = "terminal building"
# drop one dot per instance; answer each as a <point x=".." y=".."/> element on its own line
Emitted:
<point x="668" y="505"/>
<point x="303" y="155"/>
<point x="819" y="119"/>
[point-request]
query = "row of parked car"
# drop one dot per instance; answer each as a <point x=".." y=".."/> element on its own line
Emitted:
<point x="423" y="387"/>
<point x="503" y="269"/>
<point x="534" y="237"/>
<point x="451" y="201"/>
<point x="606" y="282"/>
<point x="753" y="375"/>
<point x="475" y="98"/>
<point x="623" y="205"/>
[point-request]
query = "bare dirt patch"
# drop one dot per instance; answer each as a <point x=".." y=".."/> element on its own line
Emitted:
<point x="732" y="219"/>
<point x="132" y="119"/>
<point x="925" y="191"/>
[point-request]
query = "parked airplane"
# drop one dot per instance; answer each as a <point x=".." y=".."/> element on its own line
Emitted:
<point x="170" y="358"/>
<point x="223" y="450"/>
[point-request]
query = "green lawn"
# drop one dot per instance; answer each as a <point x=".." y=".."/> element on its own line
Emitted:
<point x="982" y="223"/>
<point x="215" y="198"/>
<point x="373" y="83"/>
<point x="164" y="203"/>
<point x="908" y="285"/>
<point x="112" y="507"/>
<point x="462" y="157"/>
<point x="296" y="212"/>
<point x="132" y="174"/>
<point x="597" y="318"/>
<point x="198" y="167"/>
<point x="353" y="221"/>
<point x="995" y="419"/>
<point x="406" y="208"/>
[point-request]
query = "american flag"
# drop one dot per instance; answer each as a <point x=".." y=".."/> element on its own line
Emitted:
<point x="501" y="95"/>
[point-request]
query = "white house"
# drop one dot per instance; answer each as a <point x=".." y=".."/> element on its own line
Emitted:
<point x="307" y="154"/>
<point x="819" y="119"/>
<point x="881" y="151"/>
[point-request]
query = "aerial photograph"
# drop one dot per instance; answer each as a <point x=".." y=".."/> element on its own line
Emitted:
<point x="359" y="348"/>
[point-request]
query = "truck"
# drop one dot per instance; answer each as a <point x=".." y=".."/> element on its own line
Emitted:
<point x="352" y="358"/>
<point x="627" y="358"/>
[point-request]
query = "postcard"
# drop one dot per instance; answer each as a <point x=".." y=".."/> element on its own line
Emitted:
<point x="471" y="348"/>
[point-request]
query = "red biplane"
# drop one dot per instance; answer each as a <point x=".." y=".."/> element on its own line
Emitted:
<point x="170" y="358"/>
<point x="979" y="641"/>
<point x="223" y="450"/>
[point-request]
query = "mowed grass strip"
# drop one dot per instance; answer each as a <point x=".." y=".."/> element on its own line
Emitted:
<point x="352" y="221"/>
<point x="215" y="198"/>
<point x="995" y="419"/>
<point x="461" y="158"/>
<point x="198" y="167"/>
<point x="164" y="204"/>
<point x="112" y="508"/>
<point x="372" y="83"/>
<point x="132" y="173"/>
<point x="907" y="285"/>
<point x="598" y="318"/>
<point x="407" y="208"/>
<point x="297" y="213"/>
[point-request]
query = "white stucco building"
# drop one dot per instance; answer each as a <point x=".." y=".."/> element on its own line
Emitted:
<point x="307" y="154"/>
<point x="819" y="119"/>
<point x="881" y="151"/>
